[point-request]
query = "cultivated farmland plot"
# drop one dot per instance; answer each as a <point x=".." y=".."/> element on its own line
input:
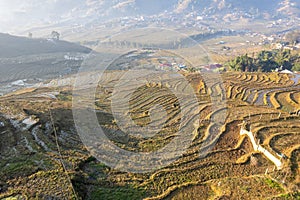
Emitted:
<point x="266" y="104"/>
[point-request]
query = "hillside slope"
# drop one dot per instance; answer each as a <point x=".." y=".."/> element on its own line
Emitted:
<point x="13" y="46"/>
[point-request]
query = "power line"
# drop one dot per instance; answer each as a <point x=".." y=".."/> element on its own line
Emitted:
<point x="60" y="155"/>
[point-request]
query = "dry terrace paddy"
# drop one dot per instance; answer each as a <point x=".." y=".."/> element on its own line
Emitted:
<point x="267" y="104"/>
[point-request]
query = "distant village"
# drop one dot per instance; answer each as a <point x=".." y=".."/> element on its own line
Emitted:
<point x="198" y="22"/>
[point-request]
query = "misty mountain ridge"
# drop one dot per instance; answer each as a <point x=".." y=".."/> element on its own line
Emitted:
<point x="94" y="11"/>
<point x="117" y="8"/>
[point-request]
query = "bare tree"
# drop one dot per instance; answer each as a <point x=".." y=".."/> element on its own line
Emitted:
<point x="55" y="35"/>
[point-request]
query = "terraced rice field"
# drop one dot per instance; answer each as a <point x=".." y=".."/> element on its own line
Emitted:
<point x="219" y="163"/>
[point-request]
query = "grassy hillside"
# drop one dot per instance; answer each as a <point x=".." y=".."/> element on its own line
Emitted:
<point x="13" y="46"/>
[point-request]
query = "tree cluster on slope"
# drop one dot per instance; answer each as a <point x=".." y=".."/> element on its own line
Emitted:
<point x="266" y="61"/>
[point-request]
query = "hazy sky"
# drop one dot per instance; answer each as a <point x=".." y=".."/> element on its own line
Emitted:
<point x="15" y="13"/>
<point x="21" y="13"/>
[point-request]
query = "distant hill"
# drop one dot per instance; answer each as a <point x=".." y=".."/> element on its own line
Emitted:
<point x="75" y="16"/>
<point x="28" y="61"/>
<point x="93" y="8"/>
<point x="273" y="8"/>
<point x="77" y="11"/>
<point x="13" y="46"/>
